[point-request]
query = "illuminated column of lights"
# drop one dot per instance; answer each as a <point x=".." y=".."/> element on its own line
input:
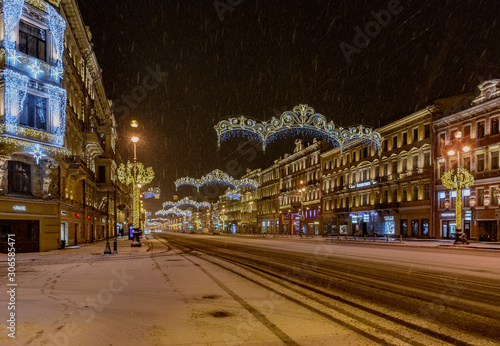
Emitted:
<point x="463" y="179"/>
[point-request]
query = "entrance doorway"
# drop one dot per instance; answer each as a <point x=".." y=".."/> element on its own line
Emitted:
<point x="487" y="230"/>
<point x="64" y="234"/>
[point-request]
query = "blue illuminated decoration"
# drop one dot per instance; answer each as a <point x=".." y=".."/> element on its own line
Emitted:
<point x="35" y="68"/>
<point x="57" y="104"/>
<point x="217" y="177"/>
<point x="153" y="192"/>
<point x="233" y="194"/>
<point x="303" y="120"/>
<point x="15" y="92"/>
<point x="37" y="153"/>
<point x="57" y="25"/>
<point x="12" y="10"/>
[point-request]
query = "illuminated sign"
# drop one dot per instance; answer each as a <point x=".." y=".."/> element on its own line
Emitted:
<point x="468" y="215"/>
<point x="389" y="218"/>
<point x="453" y="194"/>
<point x="63" y="212"/>
<point x="441" y="195"/>
<point x="363" y="184"/>
<point x="447" y="214"/>
<point x="466" y="193"/>
<point x="20" y="207"/>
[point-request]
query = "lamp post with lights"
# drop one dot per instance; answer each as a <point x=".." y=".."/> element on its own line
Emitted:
<point x="462" y="179"/>
<point x="302" y="189"/>
<point x="135" y="174"/>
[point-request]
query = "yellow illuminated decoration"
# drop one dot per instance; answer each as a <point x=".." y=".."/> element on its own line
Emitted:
<point x="463" y="179"/>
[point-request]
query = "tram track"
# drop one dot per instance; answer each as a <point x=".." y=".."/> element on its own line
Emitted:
<point x="381" y="326"/>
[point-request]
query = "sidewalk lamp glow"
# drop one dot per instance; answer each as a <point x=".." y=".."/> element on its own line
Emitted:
<point x="134" y="123"/>
<point x="135" y="139"/>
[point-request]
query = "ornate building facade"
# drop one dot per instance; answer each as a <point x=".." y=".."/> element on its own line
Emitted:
<point x="56" y="129"/>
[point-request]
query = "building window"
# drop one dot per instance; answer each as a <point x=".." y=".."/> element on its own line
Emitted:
<point x="467" y="131"/>
<point x="365" y="152"/>
<point x="386" y="170"/>
<point x="405" y="138"/>
<point x="404" y="198"/>
<point x="385" y="145"/>
<point x="466" y="163"/>
<point x="427" y="131"/>
<point x="414" y="195"/>
<point x="480" y="129"/>
<point x="394" y="195"/>
<point x="425" y="227"/>
<point x="394" y="142"/>
<point x="32" y="41"/>
<point x="102" y="174"/>
<point x="480" y="162"/>
<point x="415" y="163"/>
<point x="365" y="199"/>
<point x="494" y="160"/>
<point x="394" y="169"/>
<point x="427" y="160"/>
<point x="494" y="196"/>
<point x="480" y="197"/>
<point x="427" y="192"/>
<point x="353" y="156"/>
<point x="442" y="201"/>
<point x="415" y="135"/>
<point x="441" y="169"/>
<point x="404" y="167"/>
<point x="385" y="196"/>
<point x="19" y="177"/>
<point x="442" y="139"/>
<point x="494" y="126"/>
<point x="34" y="113"/>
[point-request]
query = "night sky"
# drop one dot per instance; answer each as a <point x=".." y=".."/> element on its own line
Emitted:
<point x="264" y="57"/>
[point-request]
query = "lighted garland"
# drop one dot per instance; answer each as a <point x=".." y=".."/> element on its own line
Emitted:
<point x="57" y="25"/>
<point x="463" y="179"/>
<point x="187" y="202"/>
<point x="174" y="211"/>
<point x="33" y="145"/>
<point x="302" y="120"/>
<point x="16" y="86"/>
<point x="12" y="11"/>
<point x="217" y="177"/>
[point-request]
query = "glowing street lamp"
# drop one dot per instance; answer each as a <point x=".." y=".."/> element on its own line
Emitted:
<point x="463" y="179"/>
<point x="136" y="175"/>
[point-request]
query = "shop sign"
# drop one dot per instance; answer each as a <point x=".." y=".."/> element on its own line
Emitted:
<point x="63" y="212"/>
<point x="389" y="218"/>
<point x="468" y="215"/>
<point x="447" y="214"/>
<point x="19" y="207"/>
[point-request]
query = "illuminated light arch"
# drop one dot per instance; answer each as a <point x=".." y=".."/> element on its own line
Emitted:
<point x="233" y="194"/>
<point x="302" y="119"/>
<point x="217" y="177"/>
<point x="174" y="211"/>
<point x="187" y="202"/>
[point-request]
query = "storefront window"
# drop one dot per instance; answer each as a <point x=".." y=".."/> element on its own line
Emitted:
<point x="425" y="227"/>
<point x="404" y="228"/>
<point x="414" y="228"/>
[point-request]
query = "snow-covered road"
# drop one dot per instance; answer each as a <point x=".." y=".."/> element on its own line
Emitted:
<point x="210" y="290"/>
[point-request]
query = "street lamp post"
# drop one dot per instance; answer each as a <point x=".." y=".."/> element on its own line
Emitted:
<point x="136" y="175"/>
<point x="463" y="179"/>
<point x="302" y="189"/>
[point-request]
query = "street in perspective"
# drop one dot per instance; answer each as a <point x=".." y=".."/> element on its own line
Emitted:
<point x="249" y="172"/>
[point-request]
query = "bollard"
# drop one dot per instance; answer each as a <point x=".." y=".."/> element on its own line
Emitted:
<point x="338" y="237"/>
<point x="365" y="237"/>
<point x="354" y="237"/>
<point x="387" y="237"/>
<point x="400" y="238"/>
<point x="374" y="236"/>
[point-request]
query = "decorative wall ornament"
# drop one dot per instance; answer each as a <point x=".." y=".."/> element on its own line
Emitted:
<point x="301" y="120"/>
<point x="187" y="202"/>
<point x="12" y="11"/>
<point x="16" y="86"/>
<point x="217" y="177"/>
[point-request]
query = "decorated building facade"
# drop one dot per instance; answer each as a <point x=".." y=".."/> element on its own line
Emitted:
<point x="57" y="130"/>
